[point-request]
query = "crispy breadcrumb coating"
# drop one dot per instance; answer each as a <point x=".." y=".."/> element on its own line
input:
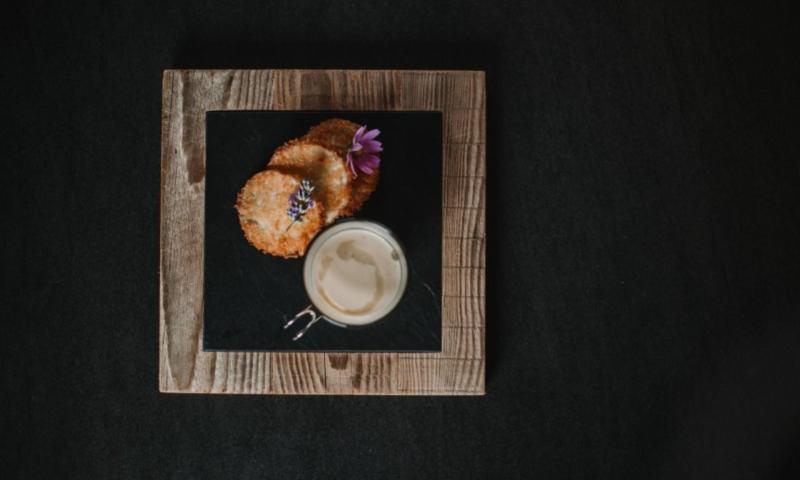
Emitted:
<point x="323" y="166"/>
<point x="262" y="205"/>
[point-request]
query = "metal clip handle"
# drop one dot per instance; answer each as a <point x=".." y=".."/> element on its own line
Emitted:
<point x="315" y="317"/>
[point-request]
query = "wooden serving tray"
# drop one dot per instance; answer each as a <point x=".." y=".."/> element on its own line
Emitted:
<point x="459" y="369"/>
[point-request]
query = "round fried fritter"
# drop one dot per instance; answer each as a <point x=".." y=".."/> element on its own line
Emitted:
<point x="337" y="135"/>
<point x="321" y="165"/>
<point x="263" y="203"/>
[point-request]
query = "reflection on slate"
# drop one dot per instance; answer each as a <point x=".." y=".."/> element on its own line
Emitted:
<point x="249" y="295"/>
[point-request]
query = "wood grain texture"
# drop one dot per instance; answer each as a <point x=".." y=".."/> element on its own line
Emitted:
<point x="458" y="369"/>
<point x="464" y="222"/>
<point x="464" y="192"/>
<point x="464" y="252"/>
<point x="463" y="311"/>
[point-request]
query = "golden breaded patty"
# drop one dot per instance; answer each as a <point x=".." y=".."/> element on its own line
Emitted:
<point x="323" y="166"/>
<point x="263" y="203"/>
<point x="337" y="135"/>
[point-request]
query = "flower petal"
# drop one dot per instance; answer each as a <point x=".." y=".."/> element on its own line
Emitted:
<point x="372" y="146"/>
<point x="351" y="164"/>
<point x="368" y="161"/>
<point x="371" y="134"/>
<point x="356" y="147"/>
<point x="358" y="134"/>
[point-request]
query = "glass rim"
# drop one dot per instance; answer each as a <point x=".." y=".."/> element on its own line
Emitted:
<point x="371" y="226"/>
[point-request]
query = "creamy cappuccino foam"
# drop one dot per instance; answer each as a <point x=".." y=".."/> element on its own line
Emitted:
<point x="355" y="272"/>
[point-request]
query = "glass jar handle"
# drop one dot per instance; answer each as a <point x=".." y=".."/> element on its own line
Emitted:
<point x="315" y="317"/>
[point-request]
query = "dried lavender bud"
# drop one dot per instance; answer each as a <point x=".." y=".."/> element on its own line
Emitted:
<point x="300" y="201"/>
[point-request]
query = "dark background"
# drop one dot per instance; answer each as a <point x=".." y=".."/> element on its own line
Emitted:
<point x="643" y="223"/>
<point x="248" y="296"/>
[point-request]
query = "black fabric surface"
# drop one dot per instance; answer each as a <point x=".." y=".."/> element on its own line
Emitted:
<point x="248" y="296"/>
<point x="642" y="263"/>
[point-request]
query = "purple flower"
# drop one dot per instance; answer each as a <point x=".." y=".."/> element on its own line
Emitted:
<point x="362" y="153"/>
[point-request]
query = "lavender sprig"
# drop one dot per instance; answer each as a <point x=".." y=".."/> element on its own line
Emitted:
<point x="300" y="202"/>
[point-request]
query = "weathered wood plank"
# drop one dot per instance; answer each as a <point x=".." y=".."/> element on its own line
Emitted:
<point x="336" y="90"/>
<point x="187" y="96"/>
<point x="441" y="376"/>
<point x="463" y="282"/>
<point x="250" y="90"/>
<point x="460" y="222"/>
<point x="442" y="90"/>
<point x="297" y="373"/>
<point x="466" y="192"/>
<point x="457" y="342"/>
<point x="463" y="312"/>
<point x="464" y="160"/>
<point x="464" y="126"/>
<point x="464" y="252"/>
<point x="361" y="373"/>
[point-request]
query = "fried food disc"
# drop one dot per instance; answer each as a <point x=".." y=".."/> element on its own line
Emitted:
<point x="262" y="205"/>
<point x="323" y="166"/>
<point x="337" y="135"/>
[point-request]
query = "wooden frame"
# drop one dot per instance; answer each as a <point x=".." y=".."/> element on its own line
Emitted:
<point x="458" y="369"/>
